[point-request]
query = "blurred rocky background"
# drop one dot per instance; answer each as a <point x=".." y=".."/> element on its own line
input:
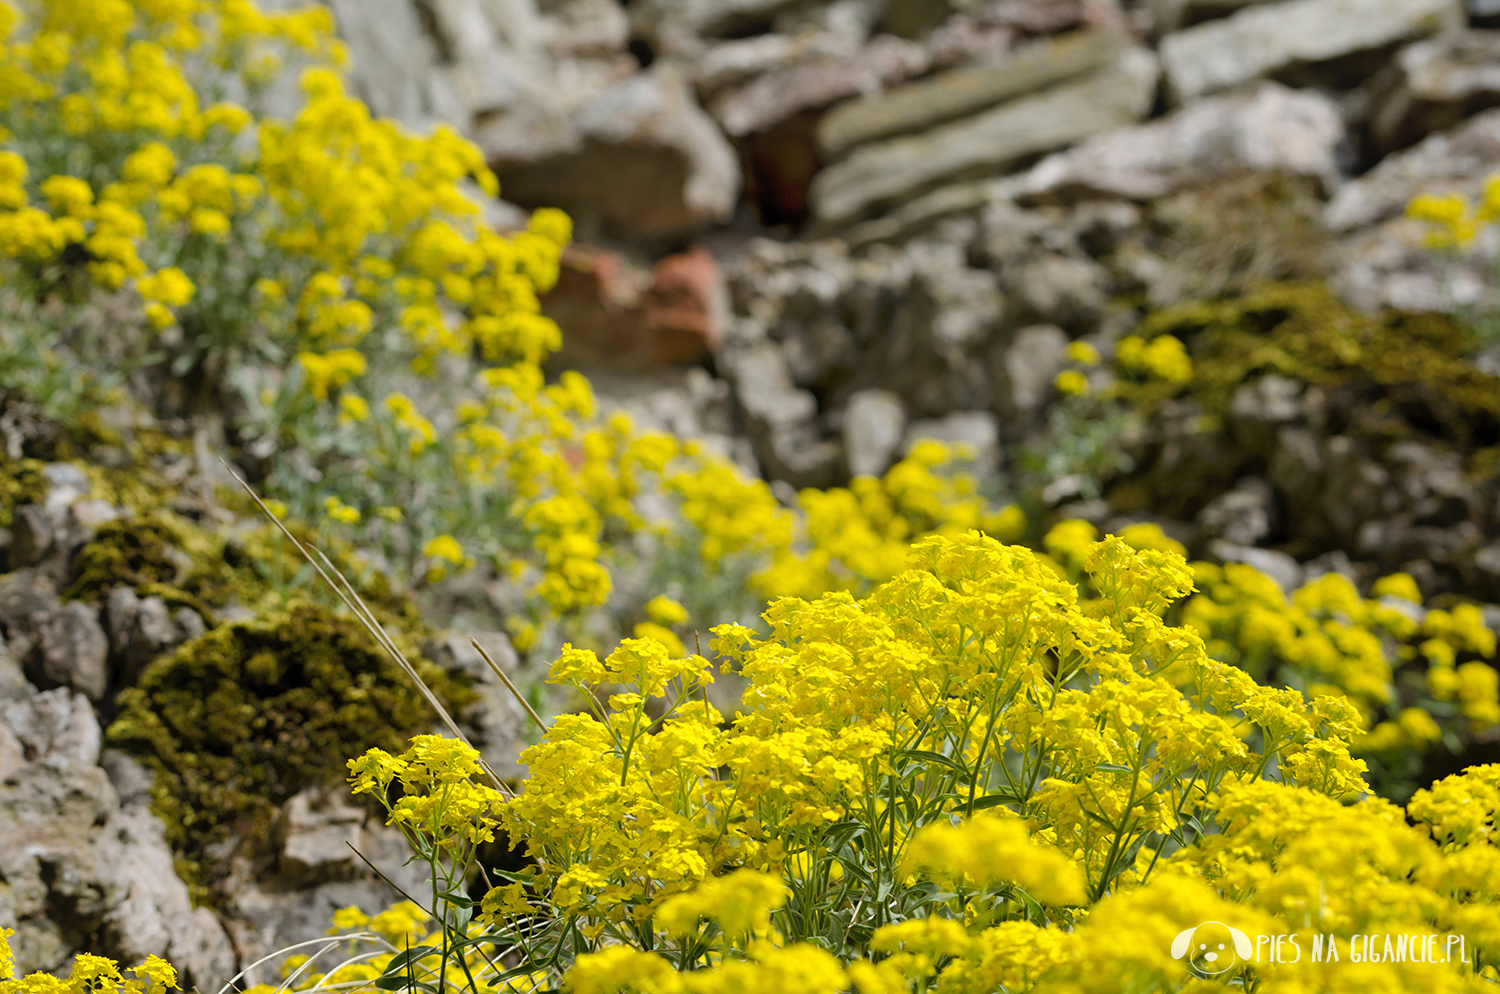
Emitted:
<point x="817" y="232"/>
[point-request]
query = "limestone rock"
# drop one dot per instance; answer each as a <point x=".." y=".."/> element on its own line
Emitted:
<point x="56" y="727"/>
<point x="873" y="424"/>
<point x="57" y="644"/>
<point x="781" y="419"/>
<point x="1265" y="128"/>
<point x="1242" y="516"/>
<point x="315" y="831"/>
<point x="965" y="90"/>
<point x="1283" y="38"/>
<point x="1435" y="84"/>
<point x="773" y="97"/>
<point x="1027" y="368"/>
<point x="1166" y="16"/>
<point x="679" y="26"/>
<point x="1384" y="261"/>
<point x="641" y="159"/>
<point x="32" y="531"/>
<point x="502" y="724"/>
<point x="886" y="171"/>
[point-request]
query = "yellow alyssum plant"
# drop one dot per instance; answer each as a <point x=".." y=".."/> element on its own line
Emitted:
<point x="968" y="778"/>
<point x="331" y="272"/>
<point x="90" y="974"/>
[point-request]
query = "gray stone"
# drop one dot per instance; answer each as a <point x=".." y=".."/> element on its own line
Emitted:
<point x="873" y="424"/>
<point x="56" y="727"/>
<point x="315" y="831"/>
<point x="677" y="26"/>
<point x="886" y="171"/>
<point x="978" y="432"/>
<point x="733" y="62"/>
<point x="1275" y="38"/>
<point x="66" y="484"/>
<point x="1435" y="84"/>
<point x="1456" y="161"/>
<point x="774" y="97"/>
<point x="964" y="90"/>
<point x="668" y="167"/>
<point x="1166" y="16"/>
<point x="73" y="650"/>
<point x="1060" y="289"/>
<point x="1243" y="515"/>
<point x="910" y="218"/>
<point x="1267" y="128"/>
<point x="1277" y="565"/>
<point x="1031" y="362"/>
<point x="780" y="419"/>
<point x="56" y="643"/>
<point x="32" y="533"/>
<point x="1385" y="260"/>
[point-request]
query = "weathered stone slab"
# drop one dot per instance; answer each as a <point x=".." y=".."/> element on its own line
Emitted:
<point x="884" y="172"/>
<point x="966" y="89"/>
<point x="1273" y="38"/>
<point x="1267" y="128"/>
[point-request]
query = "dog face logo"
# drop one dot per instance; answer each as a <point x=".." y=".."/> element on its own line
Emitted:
<point x="1211" y="948"/>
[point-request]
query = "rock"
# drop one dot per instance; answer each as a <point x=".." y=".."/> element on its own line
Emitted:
<point x="32" y="532"/>
<point x="66" y="484"/>
<point x="140" y="629"/>
<point x="886" y="171"/>
<point x="676" y="27"/>
<point x="621" y="316"/>
<point x="780" y="419"/>
<point x="977" y="431"/>
<point x="1454" y="161"/>
<point x="873" y="424"/>
<point x="966" y="90"/>
<point x="988" y="33"/>
<point x="1060" y="289"/>
<point x="1295" y="38"/>
<point x="1167" y="16"/>
<point x="13" y="682"/>
<point x="687" y="306"/>
<point x="731" y="63"/>
<point x="772" y="98"/>
<point x="56" y="727"/>
<point x="1434" y="85"/>
<point x="12" y="753"/>
<point x="1267" y="128"/>
<point x="1385" y="261"/>
<point x="1242" y="516"/>
<point x="73" y="650"/>
<point x="669" y="169"/>
<point x="1277" y="565"/>
<point x="1029" y="365"/>
<point x="904" y="221"/>
<point x="315" y="831"/>
<point x="57" y="644"/>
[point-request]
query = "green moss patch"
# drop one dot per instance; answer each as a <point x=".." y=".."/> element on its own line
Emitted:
<point x="236" y="722"/>
<point x="1414" y="363"/>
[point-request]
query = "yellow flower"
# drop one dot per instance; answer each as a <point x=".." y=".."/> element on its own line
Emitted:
<point x="341" y="512"/>
<point x="445" y="547"/>
<point x="1071" y="382"/>
<point x="169" y="286"/>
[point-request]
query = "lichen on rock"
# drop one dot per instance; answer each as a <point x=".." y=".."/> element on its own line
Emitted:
<point x="237" y="721"/>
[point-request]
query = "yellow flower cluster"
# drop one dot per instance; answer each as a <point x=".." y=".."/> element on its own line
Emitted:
<point x="1163" y="359"/>
<point x="859" y="536"/>
<point x="1453" y="221"/>
<point x="1326" y="640"/>
<point x="1080" y="781"/>
<point x="90" y="974"/>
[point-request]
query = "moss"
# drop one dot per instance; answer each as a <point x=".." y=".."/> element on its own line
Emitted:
<point x="21" y="482"/>
<point x="237" y="721"/>
<point x="1410" y="364"/>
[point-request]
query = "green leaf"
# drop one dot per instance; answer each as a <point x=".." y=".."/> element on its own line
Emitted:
<point x="399" y="961"/>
